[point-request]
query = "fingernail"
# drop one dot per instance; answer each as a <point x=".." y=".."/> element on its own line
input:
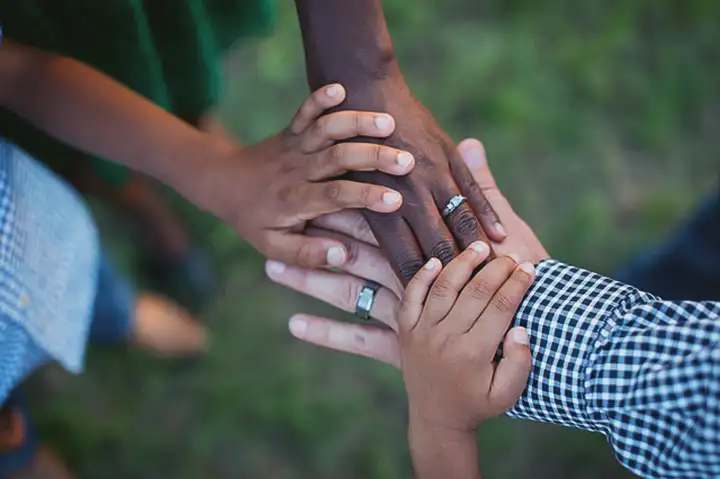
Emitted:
<point x="479" y="247"/>
<point x="404" y="159"/>
<point x="382" y="122"/>
<point x="298" y="325"/>
<point x="332" y="91"/>
<point x="520" y="336"/>
<point x="500" y="229"/>
<point x="336" y="256"/>
<point x="391" y="197"/>
<point x="432" y="264"/>
<point x="275" y="268"/>
<point x="528" y="268"/>
<point x="474" y="157"/>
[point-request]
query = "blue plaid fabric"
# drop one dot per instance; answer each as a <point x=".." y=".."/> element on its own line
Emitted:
<point x="48" y="269"/>
<point x="642" y="371"/>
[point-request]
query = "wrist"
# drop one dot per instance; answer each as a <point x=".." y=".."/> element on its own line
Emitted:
<point x="193" y="165"/>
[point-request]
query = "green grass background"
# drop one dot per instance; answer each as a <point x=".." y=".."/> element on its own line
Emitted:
<point x="600" y="118"/>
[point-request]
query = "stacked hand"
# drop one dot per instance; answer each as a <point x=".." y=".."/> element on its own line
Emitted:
<point x="420" y="229"/>
<point x="268" y="191"/>
<point x="368" y="263"/>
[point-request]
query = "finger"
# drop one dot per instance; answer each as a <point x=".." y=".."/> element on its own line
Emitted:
<point x="447" y="287"/>
<point x="473" y="153"/>
<point x="337" y="289"/>
<point x="461" y="221"/>
<point x="361" y="339"/>
<point x="342" y="125"/>
<point x="477" y="295"/>
<point x="398" y="242"/>
<point x="328" y="197"/>
<point x="364" y="261"/>
<point x="513" y="371"/>
<point x="344" y="157"/>
<point x="320" y="100"/>
<point x="349" y="223"/>
<point x="431" y="231"/>
<point x="411" y="307"/>
<point x="306" y="252"/>
<point x="500" y="311"/>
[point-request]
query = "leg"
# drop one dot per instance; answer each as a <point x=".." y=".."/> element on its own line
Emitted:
<point x="144" y="320"/>
<point x="687" y="267"/>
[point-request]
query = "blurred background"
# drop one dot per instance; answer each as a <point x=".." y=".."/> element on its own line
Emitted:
<point x="600" y="119"/>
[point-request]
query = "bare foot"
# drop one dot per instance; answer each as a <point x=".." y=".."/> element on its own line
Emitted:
<point x="165" y="328"/>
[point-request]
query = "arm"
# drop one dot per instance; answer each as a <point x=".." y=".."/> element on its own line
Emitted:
<point x="443" y="453"/>
<point x="266" y="191"/>
<point x="92" y="112"/>
<point x="348" y="41"/>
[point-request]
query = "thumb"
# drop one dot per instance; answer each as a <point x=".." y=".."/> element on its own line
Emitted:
<point x="513" y="370"/>
<point x="473" y="154"/>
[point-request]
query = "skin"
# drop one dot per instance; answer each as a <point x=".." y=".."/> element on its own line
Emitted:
<point x="347" y="41"/>
<point x="367" y="262"/>
<point x="450" y="324"/>
<point x="266" y="191"/>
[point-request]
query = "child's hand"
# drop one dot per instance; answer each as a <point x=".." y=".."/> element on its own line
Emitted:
<point x="449" y="339"/>
<point x="269" y="190"/>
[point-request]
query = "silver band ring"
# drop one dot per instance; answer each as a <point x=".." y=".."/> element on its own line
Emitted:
<point x="365" y="299"/>
<point x="453" y="204"/>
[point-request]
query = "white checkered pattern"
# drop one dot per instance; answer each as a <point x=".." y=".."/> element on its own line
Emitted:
<point x="642" y="371"/>
<point x="48" y="268"/>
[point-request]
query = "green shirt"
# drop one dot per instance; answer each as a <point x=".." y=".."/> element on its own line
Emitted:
<point x="167" y="50"/>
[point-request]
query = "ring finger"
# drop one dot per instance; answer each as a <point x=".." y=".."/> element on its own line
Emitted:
<point x="337" y="289"/>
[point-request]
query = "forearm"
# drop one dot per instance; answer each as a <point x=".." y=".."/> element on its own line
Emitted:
<point x="347" y="41"/>
<point x="90" y="111"/>
<point x="443" y="454"/>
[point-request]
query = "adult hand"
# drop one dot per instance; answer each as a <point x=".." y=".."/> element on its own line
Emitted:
<point x="367" y="263"/>
<point x="418" y="231"/>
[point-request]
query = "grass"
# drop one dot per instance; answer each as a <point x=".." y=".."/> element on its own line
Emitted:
<point x="600" y="120"/>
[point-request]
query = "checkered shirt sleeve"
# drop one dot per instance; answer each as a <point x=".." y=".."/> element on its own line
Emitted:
<point x="642" y="371"/>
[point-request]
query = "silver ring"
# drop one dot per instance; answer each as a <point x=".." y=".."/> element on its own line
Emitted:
<point x="365" y="299"/>
<point x="453" y="204"/>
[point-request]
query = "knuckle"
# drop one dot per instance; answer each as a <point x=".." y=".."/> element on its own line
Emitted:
<point x="444" y="251"/>
<point x="338" y="154"/>
<point x="442" y="290"/>
<point x="408" y="268"/>
<point x="465" y="224"/>
<point x="333" y="191"/>
<point x="357" y="123"/>
<point x="503" y="303"/>
<point x="376" y="152"/>
<point x="366" y="193"/>
<point x="480" y="289"/>
<point x="321" y="127"/>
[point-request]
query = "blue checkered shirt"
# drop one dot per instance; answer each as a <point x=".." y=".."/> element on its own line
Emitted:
<point x="48" y="266"/>
<point x="642" y="371"/>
